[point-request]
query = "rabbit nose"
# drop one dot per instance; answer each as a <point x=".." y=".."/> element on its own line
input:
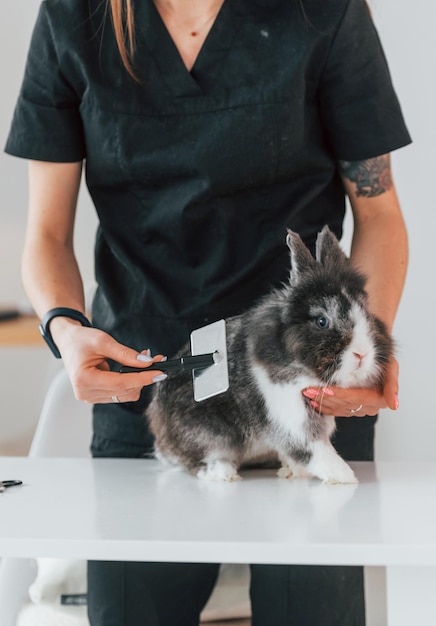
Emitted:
<point x="359" y="357"/>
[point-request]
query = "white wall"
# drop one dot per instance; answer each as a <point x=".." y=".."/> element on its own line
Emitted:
<point x="407" y="32"/>
<point x="24" y="372"/>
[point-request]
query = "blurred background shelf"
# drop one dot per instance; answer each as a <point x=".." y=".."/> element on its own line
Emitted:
<point x="20" y="331"/>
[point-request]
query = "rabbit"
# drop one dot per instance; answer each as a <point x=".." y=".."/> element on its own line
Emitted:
<point x="316" y="330"/>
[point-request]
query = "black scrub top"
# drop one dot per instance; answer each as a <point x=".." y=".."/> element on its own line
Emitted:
<point x="196" y="175"/>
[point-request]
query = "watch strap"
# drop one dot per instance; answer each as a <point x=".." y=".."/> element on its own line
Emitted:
<point x="44" y="327"/>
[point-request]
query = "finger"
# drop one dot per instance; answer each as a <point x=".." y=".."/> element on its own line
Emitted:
<point x="130" y="358"/>
<point x="127" y="356"/>
<point x="110" y="393"/>
<point x="345" y="402"/>
<point x="99" y="386"/>
<point x="360" y="410"/>
<point x="121" y="398"/>
<point x="132" y="394"/>
<point x="124" y="383"/>
<point x="390" y="388"/>
<point x="106" y="347"/>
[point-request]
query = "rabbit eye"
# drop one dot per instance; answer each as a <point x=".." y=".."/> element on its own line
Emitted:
<point x="322" y="322"/>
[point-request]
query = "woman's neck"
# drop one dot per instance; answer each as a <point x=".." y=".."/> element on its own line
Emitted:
<point x="189" y="14"/>
<point x="188" y="22"/>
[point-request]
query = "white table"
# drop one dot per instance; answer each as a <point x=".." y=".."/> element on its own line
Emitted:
<point x="136" y="510"/>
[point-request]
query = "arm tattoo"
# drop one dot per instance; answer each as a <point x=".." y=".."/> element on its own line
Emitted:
<point x="371" y="177"/>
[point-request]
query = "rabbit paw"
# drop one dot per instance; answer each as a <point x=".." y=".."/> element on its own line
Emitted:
<point x="328" y="466"/>
<point x="285" y="472"/>
<point x="221" y="471"/>
<point x="344" y="478"/>
<point x="290" y="469"/>
<point x="340" y="473"/>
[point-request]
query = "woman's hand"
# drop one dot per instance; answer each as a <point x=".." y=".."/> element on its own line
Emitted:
<point x="85" y="353"/>
<point x="342" y="402"/>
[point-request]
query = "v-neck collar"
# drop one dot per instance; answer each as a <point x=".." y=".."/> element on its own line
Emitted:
<point x="209" y="62"/>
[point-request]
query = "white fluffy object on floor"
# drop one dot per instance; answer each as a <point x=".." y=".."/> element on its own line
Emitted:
<point x="230" y="598"/>
<point x="57" y="577"/>
<point x="48" y="614"/>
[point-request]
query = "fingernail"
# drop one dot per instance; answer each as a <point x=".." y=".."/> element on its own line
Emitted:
<point x="314" y="404"/>
<point x="310" y="393"/>
<point x="145" y="358"/>
<point x="159" y="378"/>
<point x="328" y="391"/>
<point x="396" y="402"/>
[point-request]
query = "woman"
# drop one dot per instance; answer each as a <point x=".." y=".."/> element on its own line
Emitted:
<point x="207" y="128"/>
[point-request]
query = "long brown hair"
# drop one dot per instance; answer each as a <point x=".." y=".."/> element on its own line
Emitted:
<point x="124" y="27"/>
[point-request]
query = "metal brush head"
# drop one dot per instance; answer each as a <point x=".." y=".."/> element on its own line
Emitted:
<point x="212" y="380"/>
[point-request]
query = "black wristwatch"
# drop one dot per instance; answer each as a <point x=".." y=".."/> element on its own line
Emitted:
<point x="44" y="327"/>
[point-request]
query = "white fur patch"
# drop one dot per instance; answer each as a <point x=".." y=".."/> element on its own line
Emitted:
<point x="221" y="471"/>
<point x="289" y="469"/>
<point x="285" y="403"/>
<point x="327" y="465"/>
<point x="352" y="371"/>
<point x="166" y="459"/>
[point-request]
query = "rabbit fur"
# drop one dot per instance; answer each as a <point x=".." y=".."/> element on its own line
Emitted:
<point x="314" y="331"/>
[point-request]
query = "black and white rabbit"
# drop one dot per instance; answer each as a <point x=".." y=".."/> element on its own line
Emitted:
<point x="315" y="331"/>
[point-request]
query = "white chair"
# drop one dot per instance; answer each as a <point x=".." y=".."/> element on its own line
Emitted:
<point x="65" y="425"/>
<point x="63" y="430"/>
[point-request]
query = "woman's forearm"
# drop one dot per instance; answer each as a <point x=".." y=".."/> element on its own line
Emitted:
<point x="379" y="247"/>
<point x="51" y="279"/>
<point x="50" y="273"/>
<point x="51" y="276"/>
<point x="380" y="250"/>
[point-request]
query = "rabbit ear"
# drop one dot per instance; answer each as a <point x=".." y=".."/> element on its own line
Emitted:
<point x="328" y="250"/>
<point x="301" y="258"/>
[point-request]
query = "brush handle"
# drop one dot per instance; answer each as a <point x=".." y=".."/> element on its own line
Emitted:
<point x="198" y="361"/>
